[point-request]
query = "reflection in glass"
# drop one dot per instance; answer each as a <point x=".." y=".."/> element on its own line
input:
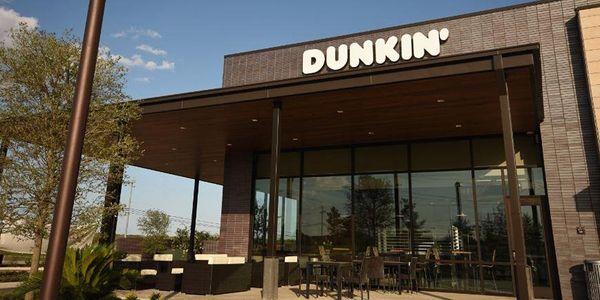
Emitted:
<point x="531" y="181"/>
<point x="260" y="212"/>
<point x="492" y="230"/>
<point x="381" y="212"/>
<point x="444" y="214"/>
<point x="492" y="217"/>
<point x="326" y="214"/>
<point x="287" y="211"/>
<point x="535" y="245"/>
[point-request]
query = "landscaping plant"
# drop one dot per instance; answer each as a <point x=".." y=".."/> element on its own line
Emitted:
<point x="87" y="274"/>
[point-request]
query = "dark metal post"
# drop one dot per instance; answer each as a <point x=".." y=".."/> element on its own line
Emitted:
<point x="3" y="152"/>
<point x="192" y="239"/>
<point x="271" y="262"/>
<point x="63" y="210"/>
<point x="114" y="184"/>
<point x="524" y="288"/>
<point x="274" y="184"/>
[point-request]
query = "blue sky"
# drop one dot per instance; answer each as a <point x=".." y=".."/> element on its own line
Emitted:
<point x="178" y="46"/>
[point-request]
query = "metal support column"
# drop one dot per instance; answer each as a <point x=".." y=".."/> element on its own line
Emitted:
<point x="114" y="184"/>
<point x="524" y="288"/>
<point x="192" y="239"/>
<point x="3" y="152"/>
<point x="271" y="262"/>
<point x="57" y="243"/>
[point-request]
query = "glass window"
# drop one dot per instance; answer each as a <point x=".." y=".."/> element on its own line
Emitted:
<point x="381" y="159"/>
<point x="382" y="209"/>
<point x="326" y="214"/>
<point x="289" y="198"/>
<point x="492" y="216"/>
<point x="259" y="226"/>
<point x="327" y="162"/>
<point x="440" y="155"/>
<point x="289" y="165"/>
<point x="489" y="152"/>
<point x="443" y="213"/>
<point x="531" y="181"/>
<point x="287" y="214"/>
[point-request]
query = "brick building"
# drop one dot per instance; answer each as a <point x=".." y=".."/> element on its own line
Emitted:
<point x="438" y="140"/>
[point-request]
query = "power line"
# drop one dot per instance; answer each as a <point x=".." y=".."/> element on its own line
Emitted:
<point x="177" y="219"/>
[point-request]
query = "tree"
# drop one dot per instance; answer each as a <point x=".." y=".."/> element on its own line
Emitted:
<point x="182" y="238"/>
<point x="154" y="224"/>
<point x="374" y="203"/>
<point x="38" y="72"/>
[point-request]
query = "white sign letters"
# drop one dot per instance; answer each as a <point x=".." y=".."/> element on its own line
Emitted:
<point x="411" y="46"/>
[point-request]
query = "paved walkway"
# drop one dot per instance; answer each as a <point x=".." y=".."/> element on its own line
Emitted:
<point x="288" y="293"/>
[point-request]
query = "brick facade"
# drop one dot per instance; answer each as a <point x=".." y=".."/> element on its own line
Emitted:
<point x="567" y="132"/>
<point x="234" y="237"/>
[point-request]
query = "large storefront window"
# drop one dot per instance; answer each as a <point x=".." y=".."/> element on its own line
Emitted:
<point x="287" y="215"/>
<point x="381" y="202"/>
<point x="326" y="214"/>
<point x="442" y="201"/>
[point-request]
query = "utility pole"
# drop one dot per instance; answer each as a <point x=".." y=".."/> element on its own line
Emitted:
<point x="128" y="209"/>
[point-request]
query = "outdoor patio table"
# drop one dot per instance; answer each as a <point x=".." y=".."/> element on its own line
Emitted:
<point x="338" y="265"/>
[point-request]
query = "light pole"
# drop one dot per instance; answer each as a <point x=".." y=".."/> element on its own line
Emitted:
<point x="128" y="209"/>
<point x="63" y="210"/>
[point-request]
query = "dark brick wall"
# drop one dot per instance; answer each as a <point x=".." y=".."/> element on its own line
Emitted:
<point x="235" y="212"/>
<point x="131" y="245"/>
<point x="568" y="137"/>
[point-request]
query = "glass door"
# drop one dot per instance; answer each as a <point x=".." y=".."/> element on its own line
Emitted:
<point x="535" y="244"/>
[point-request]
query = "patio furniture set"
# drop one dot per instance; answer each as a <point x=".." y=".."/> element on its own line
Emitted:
<point x="208" y="274"/>
<point x="212" y="274"/>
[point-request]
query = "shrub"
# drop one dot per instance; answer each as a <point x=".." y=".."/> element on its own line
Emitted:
<point x="155" y="296"/>
<point x="131" y="296"/>
<point x="87" y="274"/>
<point x="13" y="276"/>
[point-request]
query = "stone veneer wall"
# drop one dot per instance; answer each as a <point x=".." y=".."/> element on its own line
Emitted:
<point x="568" y="136"/>
<point x="234" y="236"/>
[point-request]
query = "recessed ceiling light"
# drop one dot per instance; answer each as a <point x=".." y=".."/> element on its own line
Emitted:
<point x="214" y="160"/>
<point x="166" y="164"/>
<point x="458" y="125"/>
<point x="182" y="127"/>
<point x="371" y="133"/>
<point x="254" y="120"/>
<point x="440" y="101"/>
<point x="340" y="111"/>
<point x="174" y="149"/>
<point x="529" y="132"/>
<point x="295" y="139"/>
<point x="229" y="144"/>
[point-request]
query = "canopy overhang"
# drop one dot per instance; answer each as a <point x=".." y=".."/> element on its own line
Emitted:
<point x="189" y="134"/>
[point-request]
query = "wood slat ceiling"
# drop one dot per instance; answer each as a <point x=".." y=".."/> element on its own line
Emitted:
<point x="393" y="112"/>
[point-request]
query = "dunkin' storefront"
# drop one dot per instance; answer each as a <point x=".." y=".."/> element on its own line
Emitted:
<point x="468" y="142"/>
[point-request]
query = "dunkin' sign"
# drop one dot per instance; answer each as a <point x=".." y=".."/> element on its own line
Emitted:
<point x="411" y="46"/>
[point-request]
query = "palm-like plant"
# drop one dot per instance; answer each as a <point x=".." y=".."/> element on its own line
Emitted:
<point x="87" y="274"/>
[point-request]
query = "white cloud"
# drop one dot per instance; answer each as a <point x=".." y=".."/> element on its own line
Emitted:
<point x="103" y="51"/>
<point x="10" y="19"/>
<point x="135" y="33"/>
<point x="150" y="49"/>
<point x="142" y="79"/>
<point x="137" y="61"/>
